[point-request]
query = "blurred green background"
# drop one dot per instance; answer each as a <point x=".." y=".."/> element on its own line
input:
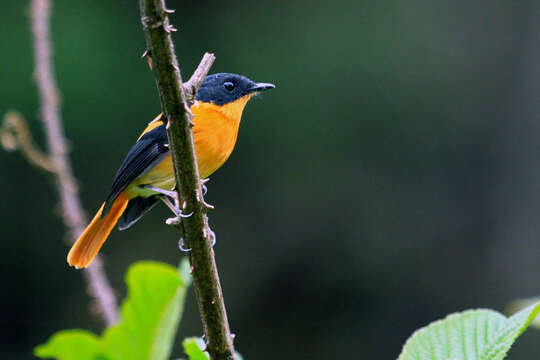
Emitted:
<point x="392" y="176"/>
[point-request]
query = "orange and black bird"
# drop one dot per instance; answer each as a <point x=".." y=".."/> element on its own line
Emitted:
<point x="147" y="175"/>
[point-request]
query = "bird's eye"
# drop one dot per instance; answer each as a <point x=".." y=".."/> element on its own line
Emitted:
<point x="228" y="85"/>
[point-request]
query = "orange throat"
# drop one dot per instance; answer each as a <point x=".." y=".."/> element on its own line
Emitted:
<point x="215" y="132"/>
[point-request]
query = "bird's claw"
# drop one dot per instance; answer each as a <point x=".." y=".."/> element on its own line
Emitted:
<point x="181" y="245"/>
<point x="174" y="195"/>
<point x="185" y="216"/>
<point x="178" y="219"/>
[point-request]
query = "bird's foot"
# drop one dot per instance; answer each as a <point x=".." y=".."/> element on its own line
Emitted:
<point x="177" y="220"/>
<point x="176" y="211"/>
<point x="181" y="245"/>
<point x="170" y="193"/>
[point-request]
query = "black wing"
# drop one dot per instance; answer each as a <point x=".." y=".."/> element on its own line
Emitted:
<point x="147" y="152"/>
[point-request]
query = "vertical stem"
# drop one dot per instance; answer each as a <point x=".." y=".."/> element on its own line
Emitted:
<point x="72" y="213"/>
<point x="197" y="234"/>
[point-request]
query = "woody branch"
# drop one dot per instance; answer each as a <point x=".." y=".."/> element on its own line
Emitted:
<point x="14" y="134"/>
<point x="197" y="234"/>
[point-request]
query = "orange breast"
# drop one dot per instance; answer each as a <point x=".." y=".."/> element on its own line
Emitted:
<point x="215" y="133"/>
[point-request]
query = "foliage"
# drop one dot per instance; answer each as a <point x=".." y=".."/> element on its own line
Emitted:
<point x="153" y="308"/>
<point x="470" y="335"/>
<point x="149" y="319"/>
<point x="71" y="345"/>
<point x="193" y="347"/>
<point x="519" y="304"/>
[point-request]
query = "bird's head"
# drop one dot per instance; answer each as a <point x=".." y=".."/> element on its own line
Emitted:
<point x="224" y="88"/>
<point x="229" y="93"/>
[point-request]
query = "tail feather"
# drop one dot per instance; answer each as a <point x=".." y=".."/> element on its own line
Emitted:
<point x="88" y="244"/>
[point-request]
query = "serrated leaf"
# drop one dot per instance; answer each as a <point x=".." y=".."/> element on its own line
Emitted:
<point x="149" y="319"/>
<point x="150" y="314"/>
<point x="192" y="347"/>
<point x="71" y="345"/>
<point x="470" y="335"/>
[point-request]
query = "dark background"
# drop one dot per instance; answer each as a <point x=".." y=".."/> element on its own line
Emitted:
<point x="392" y="176"/>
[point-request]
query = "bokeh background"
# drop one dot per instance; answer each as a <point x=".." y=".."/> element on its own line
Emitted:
<point x="392" y="176"/>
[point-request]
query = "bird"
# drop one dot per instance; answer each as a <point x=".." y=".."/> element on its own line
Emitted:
<point x="146" y="175"/>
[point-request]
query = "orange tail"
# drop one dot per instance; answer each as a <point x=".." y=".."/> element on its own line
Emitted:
<point x="88" y="244"/>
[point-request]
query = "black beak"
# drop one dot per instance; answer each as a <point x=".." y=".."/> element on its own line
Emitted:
<point x="260" y="87"/>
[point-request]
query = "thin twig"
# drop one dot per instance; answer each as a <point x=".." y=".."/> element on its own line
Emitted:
<point x="72" y="213"/>
<point x="192" y="85"/>
<point x="197" y="234"/>
<point x="14" y="135"/>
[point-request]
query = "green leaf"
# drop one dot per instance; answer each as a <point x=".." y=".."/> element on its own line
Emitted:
<point x="149" y="319"/>
<point x="150" y="314"/>
<point x="184" y="269"/>
<point x="470" y="335"/>
<point x="192" y="347"/>
<point x="71" y="345"/>
<point x="520" y="304"/>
